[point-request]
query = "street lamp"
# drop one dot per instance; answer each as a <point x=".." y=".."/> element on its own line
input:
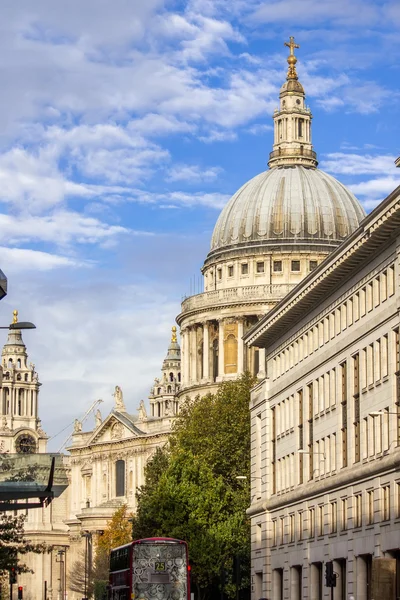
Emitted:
<point x="20" y="325"/>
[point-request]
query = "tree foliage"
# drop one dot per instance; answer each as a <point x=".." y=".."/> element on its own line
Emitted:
<point x="117" y="532"/>
<point x="13" y="544"/>
<point x="191" y="491"/>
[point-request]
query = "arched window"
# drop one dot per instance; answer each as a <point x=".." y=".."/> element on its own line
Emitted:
<point x="19" y="377"/>
<point x="169" y="390"/>
<point x="159" y="391"/>
<point x="159" y="409"/>
<point x="19" y="363"/>
<point x="10" y="362"/>
<point x="179" y="377"/>
<point x="231" y="351"/>
<point x="120" y="478"/>
<point x="26" y="376"/>
<point x="171" y="376"/>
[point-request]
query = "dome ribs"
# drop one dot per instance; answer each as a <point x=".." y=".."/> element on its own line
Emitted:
<point x="287" y="205"/>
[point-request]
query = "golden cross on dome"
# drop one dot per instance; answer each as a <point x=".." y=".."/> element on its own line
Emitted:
<point x="290" y="44"/>
<point x="15" y="316"/>
<point x="292" y="60"/>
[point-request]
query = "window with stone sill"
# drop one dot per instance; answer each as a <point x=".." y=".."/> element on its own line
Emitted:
<point x="230" y="271"/>
<point x="260" y="267"/>
<point x="295" y="266"/>
<point x="245" y="269"/>
<point x="277" y="266"/>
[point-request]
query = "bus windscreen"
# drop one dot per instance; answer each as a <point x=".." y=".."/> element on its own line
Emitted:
<point x="159" y="571"/>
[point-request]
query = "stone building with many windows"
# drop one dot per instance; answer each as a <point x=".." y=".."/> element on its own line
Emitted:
<point x="325" y="425"/>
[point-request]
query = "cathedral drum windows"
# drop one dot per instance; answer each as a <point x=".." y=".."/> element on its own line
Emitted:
<point x="295" y="266"/>
<point x="260" y="267"/>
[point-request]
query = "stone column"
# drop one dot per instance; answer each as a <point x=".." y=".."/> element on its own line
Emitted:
<point x="337" y="591"/>
<point x="193" y="352"/>
<point x="261" y="363"/>
<point x="240" y="357"/>
<point x="183" y="352"/>
<point x="186" y="355"/>
<point x="277" y="583"/>
<point x="221" y="354"/>
<point x="206" y="352"/>
<point x="362" y="582"/>
<point x="295" y="583"/>
<point x="314" y="582"/>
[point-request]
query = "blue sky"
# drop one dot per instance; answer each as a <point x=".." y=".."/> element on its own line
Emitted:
<point x="127" y="125"/>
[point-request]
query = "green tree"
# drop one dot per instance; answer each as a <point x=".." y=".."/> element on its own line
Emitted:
<point x="13" y="544"/>
<point x="191" y="491"/>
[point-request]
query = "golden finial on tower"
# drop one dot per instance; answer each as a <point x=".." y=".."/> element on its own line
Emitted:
<point x="15" y="316"/>
<point x="292" y="60"/>
<point x="173" y="336"/>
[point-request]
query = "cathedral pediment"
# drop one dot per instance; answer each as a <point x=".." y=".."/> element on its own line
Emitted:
<point x="116" y="427"/>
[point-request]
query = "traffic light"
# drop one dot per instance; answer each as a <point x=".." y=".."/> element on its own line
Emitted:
<point x="330" y="576"/>
<point x="13" y="576"/>
<point x="20" y="592"/>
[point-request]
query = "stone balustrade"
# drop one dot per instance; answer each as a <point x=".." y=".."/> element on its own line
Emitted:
<point x="271" y="292"/>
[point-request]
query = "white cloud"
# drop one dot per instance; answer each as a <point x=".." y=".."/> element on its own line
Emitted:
<point x="16" y="260"/>
<point x="259" y="129"/>
<point x="309" y="12"/>
<point x="215" y="135"/>
<point x="60" y="228"/>
<point x="375" y="189"/>
<point x="357" y="164"/>
<point x="193" y="173"/>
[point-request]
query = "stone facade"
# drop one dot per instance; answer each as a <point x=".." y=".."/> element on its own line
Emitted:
<point x="325" y="435"/>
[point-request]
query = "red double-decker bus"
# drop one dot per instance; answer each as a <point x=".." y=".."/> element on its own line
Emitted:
<point x="150" y="569"/>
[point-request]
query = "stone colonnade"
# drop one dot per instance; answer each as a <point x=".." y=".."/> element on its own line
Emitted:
<point x="16" y="400"/>
<point x="214" y="350"/>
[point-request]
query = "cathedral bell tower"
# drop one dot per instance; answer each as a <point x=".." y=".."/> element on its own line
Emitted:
<point x="20" y="427"/>
<point x="163" y="401"/>
<point x="292" y="122"/>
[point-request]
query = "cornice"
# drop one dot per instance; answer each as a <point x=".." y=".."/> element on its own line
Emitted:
<point x="376" y="230"/>
<point x="218" y="307"/>
<point x="122" y="444"/>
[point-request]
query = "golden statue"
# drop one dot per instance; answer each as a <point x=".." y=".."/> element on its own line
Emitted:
<point x="173" y="337"/>
<point x="292" y="60"/>
<point x="15" y="316"/>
